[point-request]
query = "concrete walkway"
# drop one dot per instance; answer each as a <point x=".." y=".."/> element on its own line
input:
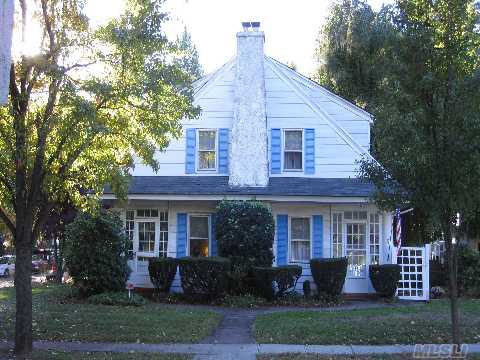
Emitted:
<point x="226" y="351"/>
<point x="234" y="328"/>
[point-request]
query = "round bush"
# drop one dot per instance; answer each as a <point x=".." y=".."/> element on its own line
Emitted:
<point x="264" y="278"/>
<point x="204" y="276"/>
<point x="385" y="278"/>
<point x="95" y="253"/>
<point x="162" y="271"/>
<point x="329" y="276"/>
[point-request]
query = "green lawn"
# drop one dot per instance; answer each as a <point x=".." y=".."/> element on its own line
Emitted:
<point x="152" y="323"/>
<point x="426" y="323"/>
<point x="61" y="355"/>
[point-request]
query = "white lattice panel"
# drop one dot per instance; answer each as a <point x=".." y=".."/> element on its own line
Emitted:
<point x="414" y="282"/>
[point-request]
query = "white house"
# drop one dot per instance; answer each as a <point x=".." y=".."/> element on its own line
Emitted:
<point x="270" y="134"/>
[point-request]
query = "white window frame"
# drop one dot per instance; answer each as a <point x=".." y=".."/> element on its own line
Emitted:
<point x="300" y="151"/>
<point x="290" y="240"/>
<point x="197" y="155"/>
<point x="209" y="232"/>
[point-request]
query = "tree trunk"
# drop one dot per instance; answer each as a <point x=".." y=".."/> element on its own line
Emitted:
<point x="23" y="291"/>
<point x="452" y="281"/>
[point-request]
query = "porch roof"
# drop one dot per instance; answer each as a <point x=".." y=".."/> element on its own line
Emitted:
<point x="218" y="185"/>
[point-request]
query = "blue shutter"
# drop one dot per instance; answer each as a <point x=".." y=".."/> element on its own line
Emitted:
<point x="309" y="151"/>
<point x="275" y="151"/>
<point x="317" y="236"/>
<point x="181" y="235"/>
<point x="223" y="151"/>
<point x="213" y="242"/>
<point x="282" y="239"/>
<point x="191" y="139"/>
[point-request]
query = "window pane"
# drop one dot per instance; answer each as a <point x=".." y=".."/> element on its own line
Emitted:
<point x="356" y="249"/>
<point x="198" y="247"/>
<point x="293" y="160"/>
<point x="300" y="250"/>
<point x="301" y="228"/>
<point x="206" y="160"/>
<point x="337" y="237"/>
<point x="293" y="140"/>
<point x="206" y="140"/>
<point x="146" y="236"/>
<point x="199" y="227"/>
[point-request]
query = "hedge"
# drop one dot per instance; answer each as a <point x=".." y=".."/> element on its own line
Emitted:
<point x="285" y="277"/>
<point x="385" y="278"/>
<point x="204" y="276"/>
<point x="329" y="276"/>
<point x="162" y="271"/>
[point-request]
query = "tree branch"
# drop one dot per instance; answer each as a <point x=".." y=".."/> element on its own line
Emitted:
<point x="7" y="221"/>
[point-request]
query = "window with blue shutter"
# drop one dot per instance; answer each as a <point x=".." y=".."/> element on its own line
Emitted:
<point x="181" y="235"/>
<point x="310" y="151"/>
<point x="282" y="239"/>
<point x="191" y="139"/>
<point x="275" y="151"/>
<point x="223" y="151"/>
<point x="317" y="235"/>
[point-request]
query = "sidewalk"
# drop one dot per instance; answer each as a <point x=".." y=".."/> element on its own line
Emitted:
<point x="227" y="351"/>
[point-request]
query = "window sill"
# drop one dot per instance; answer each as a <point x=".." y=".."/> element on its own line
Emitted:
<point x="293" y="170"/>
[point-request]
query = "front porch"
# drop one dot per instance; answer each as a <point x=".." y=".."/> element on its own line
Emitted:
<point x="303" y="230"/>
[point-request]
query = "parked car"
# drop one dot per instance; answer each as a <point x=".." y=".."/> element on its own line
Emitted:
<point x="7" y="265"/>
<point x="39" y="264"/>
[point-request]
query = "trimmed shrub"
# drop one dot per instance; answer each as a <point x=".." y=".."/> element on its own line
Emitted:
<point x="468" y="277"/>
<point x="438" y="274"/>
<point x="117" y="299"/>
<point x="244" y="232"/>
<point x="307" y="290"/>
<point x="162" y="271"/>
<point x="385" y="279"/>
<point x="264" y="277"/>
<point x="329" y="276"/>
<point x="204" y="276"/>
<point x="95" y="253"/>
<point x="286" y="278"/>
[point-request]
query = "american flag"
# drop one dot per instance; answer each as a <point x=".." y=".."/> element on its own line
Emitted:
<point x="398" y="231"/>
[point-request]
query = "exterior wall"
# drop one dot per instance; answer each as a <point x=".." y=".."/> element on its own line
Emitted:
<point x="334" y="156"/>
<point x="362" y="285"/>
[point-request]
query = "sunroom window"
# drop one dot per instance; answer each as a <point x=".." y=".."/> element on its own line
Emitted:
<point x="199" y="235"/>
<point x="293" y="150"/>
<point x="207" y="150"/>
<point x="130" y="230"/>
<point x="374" y="239"/>
<point x="300" y="240"/>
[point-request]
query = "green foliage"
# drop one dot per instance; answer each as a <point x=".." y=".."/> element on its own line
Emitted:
<point x="272" y="282"/>
<point x="204" y="276"/>
<point x="351" y="50"/>
<point x="117" y="299"/>
<point x="385" y="278"/>
<point x="162" y="271"/>
<point x="468" y="271"/>
<point x="95" y="253"/>
<point x="329" y="276"/>
<point x="307" y="290"/>
<point x="245" y="233"/>
<point x="438" y="273"/>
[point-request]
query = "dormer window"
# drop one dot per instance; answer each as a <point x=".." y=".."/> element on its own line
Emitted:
<point x="293" y="150"/>
<point x="207" y="150"/>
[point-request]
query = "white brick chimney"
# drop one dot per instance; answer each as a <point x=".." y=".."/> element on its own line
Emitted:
<point x="248" y="162"/>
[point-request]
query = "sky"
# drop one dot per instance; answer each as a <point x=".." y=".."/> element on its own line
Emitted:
<point x="291" y="27"/>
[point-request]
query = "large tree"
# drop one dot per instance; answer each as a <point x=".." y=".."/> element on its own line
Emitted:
<point x="80" y="113"/>
<point x="426" y="107"/>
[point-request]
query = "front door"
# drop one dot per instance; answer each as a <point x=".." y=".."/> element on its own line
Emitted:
<point x="146" y="243"/>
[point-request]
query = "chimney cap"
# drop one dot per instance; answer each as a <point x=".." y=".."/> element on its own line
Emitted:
<point x="246" y="25"/>
<point x="255" y="25"/>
